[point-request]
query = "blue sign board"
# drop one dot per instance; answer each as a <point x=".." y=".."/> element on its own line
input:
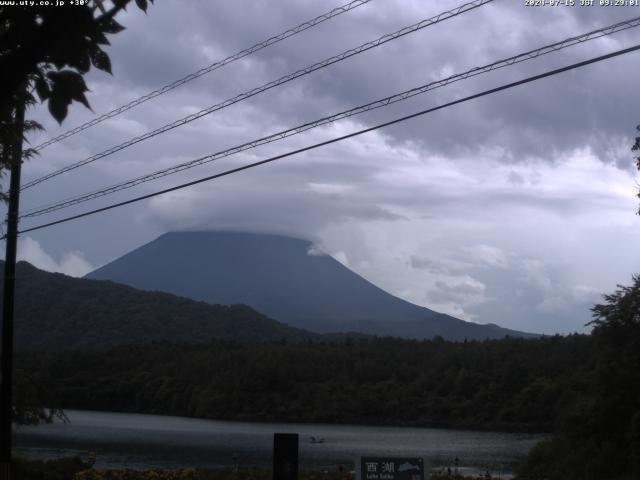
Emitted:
<point x="391" y="468"/>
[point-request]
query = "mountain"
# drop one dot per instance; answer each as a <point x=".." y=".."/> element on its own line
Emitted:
<point x="279" y="277"/>
<point x="54" y="311"/>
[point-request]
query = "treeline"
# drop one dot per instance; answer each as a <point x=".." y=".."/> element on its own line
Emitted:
<point x="510" y="384"/>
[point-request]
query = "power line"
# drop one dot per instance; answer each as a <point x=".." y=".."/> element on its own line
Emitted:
<point x="338" y="139"/>
<point x="617" y="27"/>
<point x="214" y="66"/>
<point x="255" y="91"/>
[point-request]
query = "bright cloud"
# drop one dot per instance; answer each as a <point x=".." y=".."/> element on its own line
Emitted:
<point x="71" y="263"/>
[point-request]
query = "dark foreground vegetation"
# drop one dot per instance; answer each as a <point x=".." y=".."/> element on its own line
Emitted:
<point x="599" y="438"/>
<point x="62" y="469"/>
<point x="74" y="468"/>
<point x="585" y="389"/>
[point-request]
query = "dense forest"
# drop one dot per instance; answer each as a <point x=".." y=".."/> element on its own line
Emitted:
<point x="511" y="384"/>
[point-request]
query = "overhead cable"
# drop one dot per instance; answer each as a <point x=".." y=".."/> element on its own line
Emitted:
<point x="338" y="139"/>
<point x="267" y="86"/>
<point x="532" y="54"/>
<point x="214" y="66"/>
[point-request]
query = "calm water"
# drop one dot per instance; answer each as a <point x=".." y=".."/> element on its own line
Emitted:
<point x="150" y="441"/>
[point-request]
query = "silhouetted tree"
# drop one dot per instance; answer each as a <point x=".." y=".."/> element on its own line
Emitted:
<point x="46" y="50"/>
<point x="617" y="409"/>
<point x="600" y="437"/>
<point x="50" y="48"/>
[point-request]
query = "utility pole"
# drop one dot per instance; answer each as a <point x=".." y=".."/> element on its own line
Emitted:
<point x="6" y="388"/>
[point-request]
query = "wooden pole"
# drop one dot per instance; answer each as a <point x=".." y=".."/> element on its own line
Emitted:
<point x="6" y="369"/>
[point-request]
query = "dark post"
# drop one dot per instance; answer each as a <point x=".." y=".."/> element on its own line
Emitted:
<point x="285" y="456"/>
<point x="8" y="296"/>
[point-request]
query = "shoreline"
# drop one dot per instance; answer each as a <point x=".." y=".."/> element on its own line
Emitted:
<point x="463" y="427"/>
<point x="147" y="441"/>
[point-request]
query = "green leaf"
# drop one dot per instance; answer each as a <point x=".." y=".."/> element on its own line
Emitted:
<point x="111" y="26"/>
<point x="68" y="81"/>
<point x="83" y="63"/>
<point x="80" y="97"/>
<point x="80" y="60"/>
<point x="32" y="125"/>
<point x="58" y="108"/>
<point x="142" y="5"/>
<point x="101" y="60"/>
<point x="66" y="86"/>
<point x="100" y="38"/>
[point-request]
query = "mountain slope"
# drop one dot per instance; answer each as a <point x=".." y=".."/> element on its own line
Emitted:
<point x="277" y="276"/>
<point x="54" y="311"/>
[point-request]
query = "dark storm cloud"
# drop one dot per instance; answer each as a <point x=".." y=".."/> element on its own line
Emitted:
<point x="472" y="210"/>
<point x="527" y="122"/>
<point x="554" y="116"/>
<point x="296" y="211"/>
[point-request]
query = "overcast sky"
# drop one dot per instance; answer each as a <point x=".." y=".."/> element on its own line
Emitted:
<point x="516" y="208"/>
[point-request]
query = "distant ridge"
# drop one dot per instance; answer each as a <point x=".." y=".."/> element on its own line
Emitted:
<point x="57" y="312"/>
<point x="277" y="276"/>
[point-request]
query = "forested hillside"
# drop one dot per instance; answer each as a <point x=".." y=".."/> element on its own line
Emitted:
<point x="54" y="311"/>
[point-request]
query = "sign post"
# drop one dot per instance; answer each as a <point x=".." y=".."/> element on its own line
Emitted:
<point x="285" y="456"/>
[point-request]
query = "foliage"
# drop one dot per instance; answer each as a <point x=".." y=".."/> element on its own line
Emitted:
<point x="193" y="474"/>
<point x="10" y="136"/>
<point x="50" y="48"/>
<point x="510" y="384"/>
<point x="73" y="468"/>
<point x="45" y="50"/>
<point x="30" y="392"/>
<point x="553" y="459"/>
<point x="182" y="474"/>
<point x="61" y="469"/>
<point x="600" y="439"/>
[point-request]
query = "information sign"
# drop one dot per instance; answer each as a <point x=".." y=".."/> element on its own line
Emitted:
<point x="391" y="468"/>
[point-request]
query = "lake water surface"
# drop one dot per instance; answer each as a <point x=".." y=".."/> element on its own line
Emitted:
<point x="150" y="441"/>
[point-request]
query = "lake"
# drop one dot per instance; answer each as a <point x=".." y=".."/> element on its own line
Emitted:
<point x="123" y="440"/>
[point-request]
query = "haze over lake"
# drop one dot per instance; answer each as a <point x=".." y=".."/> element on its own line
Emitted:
<point x="150" y="441"/>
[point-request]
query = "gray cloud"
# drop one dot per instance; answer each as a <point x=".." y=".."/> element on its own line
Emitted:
<point x="445" y="210"/>
<point x="464" y="292"/>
